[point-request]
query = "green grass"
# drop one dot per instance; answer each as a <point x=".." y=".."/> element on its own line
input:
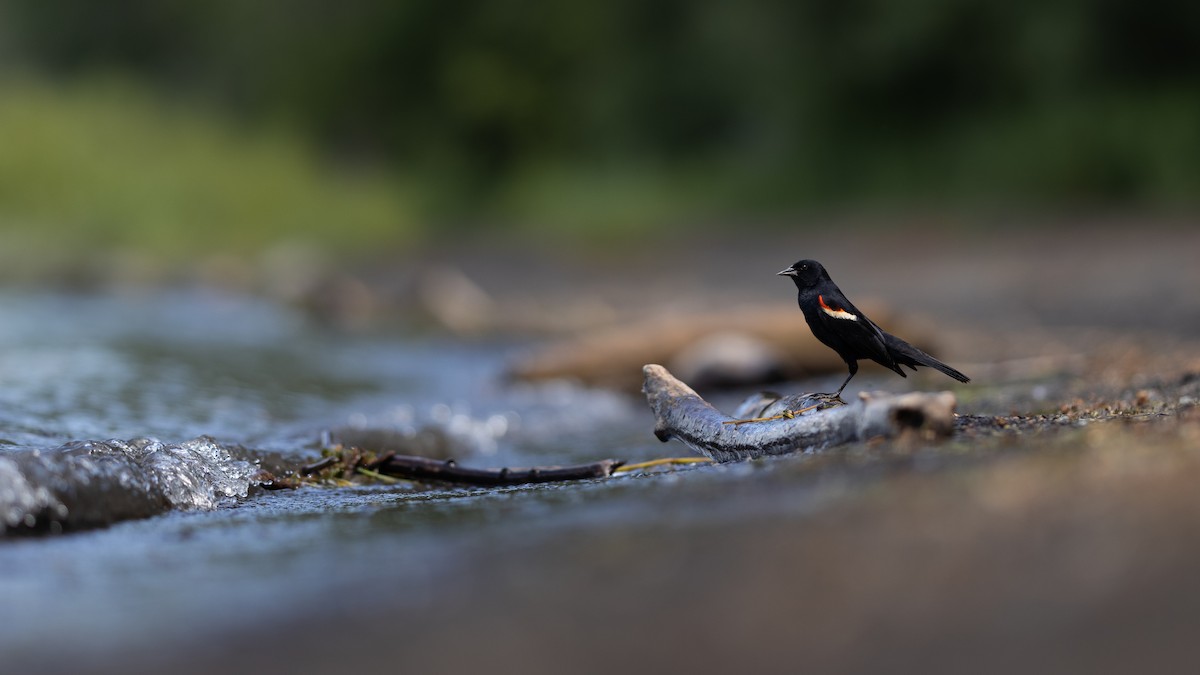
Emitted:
<point x="102" y="166"/>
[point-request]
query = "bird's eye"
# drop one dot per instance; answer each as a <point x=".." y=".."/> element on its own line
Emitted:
<point x="804" y="267"/>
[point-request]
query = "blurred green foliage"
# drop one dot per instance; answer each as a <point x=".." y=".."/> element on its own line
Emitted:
<point x="623" y="113"/>
<point x="107" y="166"/>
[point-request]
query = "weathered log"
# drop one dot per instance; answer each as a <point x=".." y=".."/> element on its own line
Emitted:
<point x="680" y="413"/>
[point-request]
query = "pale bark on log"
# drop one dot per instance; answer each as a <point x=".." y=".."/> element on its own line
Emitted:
<point x="680" y="413"/>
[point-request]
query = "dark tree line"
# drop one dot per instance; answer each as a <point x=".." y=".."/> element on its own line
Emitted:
<point x="794" y="102"/>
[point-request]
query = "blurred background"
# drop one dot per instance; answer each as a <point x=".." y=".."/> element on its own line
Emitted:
<point x="1012" y="186"/>
<point x="150" y="140"/>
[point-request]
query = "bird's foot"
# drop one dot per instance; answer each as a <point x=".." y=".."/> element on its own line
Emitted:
<point x="834" y="397"/>
<point x="785" y="415"/>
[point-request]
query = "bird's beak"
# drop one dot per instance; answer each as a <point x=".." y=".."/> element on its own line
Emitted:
<point x="789" y="272"/>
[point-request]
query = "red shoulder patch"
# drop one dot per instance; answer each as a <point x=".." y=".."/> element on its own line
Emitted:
<point x="827" y="308"/>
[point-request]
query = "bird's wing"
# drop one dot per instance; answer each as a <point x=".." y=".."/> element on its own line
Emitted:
<point x="835" y="305"/>
<point x="837" y="312"/>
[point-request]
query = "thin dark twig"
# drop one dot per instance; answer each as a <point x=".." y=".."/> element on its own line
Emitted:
<point x="424" y="469"/>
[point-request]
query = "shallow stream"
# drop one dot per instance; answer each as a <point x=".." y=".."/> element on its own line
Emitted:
<point x="151" y="411"/>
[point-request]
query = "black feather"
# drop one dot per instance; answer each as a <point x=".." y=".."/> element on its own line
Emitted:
<point x="838" y="324"/>
<point x="908" y="355"/>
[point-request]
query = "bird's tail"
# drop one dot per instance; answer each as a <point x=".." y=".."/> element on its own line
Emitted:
<point x="908" y="355"/>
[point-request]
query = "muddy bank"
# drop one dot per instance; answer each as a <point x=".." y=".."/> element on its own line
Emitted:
<point x="1051" y="534"/>
<point x="986" y="554"/>
<point x="1054" y="540"/>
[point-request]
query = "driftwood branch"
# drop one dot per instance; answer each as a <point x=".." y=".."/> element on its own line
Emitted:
<point x="680" y="413"/>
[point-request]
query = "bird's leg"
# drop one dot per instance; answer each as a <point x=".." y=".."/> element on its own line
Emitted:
<point x="838" y="393"/>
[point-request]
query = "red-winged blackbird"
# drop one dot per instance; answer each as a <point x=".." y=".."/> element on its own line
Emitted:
<point x="838" y="323"/>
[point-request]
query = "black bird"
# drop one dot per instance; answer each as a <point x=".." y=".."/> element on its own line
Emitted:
<point x="840" y="326"/>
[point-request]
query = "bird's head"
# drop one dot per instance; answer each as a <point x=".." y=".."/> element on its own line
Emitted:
<point x="806" y="273"/>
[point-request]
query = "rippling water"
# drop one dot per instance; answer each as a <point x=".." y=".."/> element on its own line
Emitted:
<point x="131" y="426"/>
<point x="179" y="378"/>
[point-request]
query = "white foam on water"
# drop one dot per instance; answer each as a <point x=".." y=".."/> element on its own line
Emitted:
<point x="196" y="474"/>
<point x="92" y="483"/>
